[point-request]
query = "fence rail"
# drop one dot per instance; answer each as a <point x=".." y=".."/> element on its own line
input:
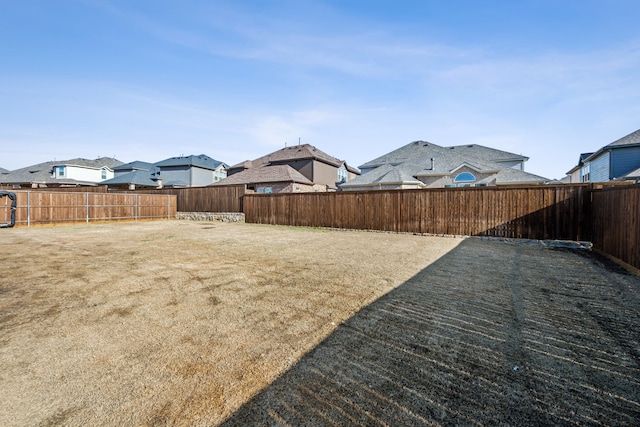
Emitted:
<point x="39" y="207"/>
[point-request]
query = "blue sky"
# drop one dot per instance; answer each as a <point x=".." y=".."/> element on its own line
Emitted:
<point x="147" y="80"/>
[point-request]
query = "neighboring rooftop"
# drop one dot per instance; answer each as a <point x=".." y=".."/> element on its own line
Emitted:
<point x="143" y="178"/>
<point x="133" y="166"/>
<point x="294" y="152"/>
<point x="41" y="173"/>
<point x="202" y="161"/>
<point x="631" y="139"/>
<point x="416" y="163"/>
<point x="270" y="174"/>
<point x="423" y="151"/>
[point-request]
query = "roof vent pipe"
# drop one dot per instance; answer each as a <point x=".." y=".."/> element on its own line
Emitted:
<point x="432" y="163"/>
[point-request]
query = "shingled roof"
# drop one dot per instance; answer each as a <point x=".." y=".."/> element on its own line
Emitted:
<point x="137" y="177"/>
<point x="41" y="173"/>
<point x="421" y="159"/>
<point x="265" y="174"/>
<point x="631" y="139"/>
<point x="423" y="151"/>
<point x="133" y="166"/>
<point x="294" y="152"/>
<point x="201" y="161"/>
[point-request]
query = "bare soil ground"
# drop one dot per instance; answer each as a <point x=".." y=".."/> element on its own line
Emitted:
<point x="187" y="323"/>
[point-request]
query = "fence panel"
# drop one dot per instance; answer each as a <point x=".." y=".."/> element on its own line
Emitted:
<point x="205" y="199"/>
<point x="40" y="207"/>
<point x="616" y="222"/>
<point x="523" y="212"/>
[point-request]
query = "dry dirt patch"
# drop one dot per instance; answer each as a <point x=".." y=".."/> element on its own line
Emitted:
<point x="176" y="323"/>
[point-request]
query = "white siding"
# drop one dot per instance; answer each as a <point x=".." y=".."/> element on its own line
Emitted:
<point x="80" y="173"/>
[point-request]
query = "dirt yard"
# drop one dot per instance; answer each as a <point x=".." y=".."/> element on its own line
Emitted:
<point x="191" y="323"/>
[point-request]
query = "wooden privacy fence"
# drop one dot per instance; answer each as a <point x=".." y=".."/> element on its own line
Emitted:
<point x="39" y="207"/>
<point x="544" y="212"/>
<point x="616" y="222"/>
<point x="207" y="199"/>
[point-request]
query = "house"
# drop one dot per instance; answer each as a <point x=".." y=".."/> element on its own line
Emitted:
<point x="185" y="171"/>
<point x="135" y="166"/>
<point x="298" y="168"/>
<point x="134" y="175"/>
<point x="574" y="175"/>
<point x="422" y="164"/>
<point x="65" y="173"/>
<point x="191" y="171"/>
<point x="611" y="162"/>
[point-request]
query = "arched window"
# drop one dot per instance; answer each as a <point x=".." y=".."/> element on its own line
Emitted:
<point x="464" y="177"/>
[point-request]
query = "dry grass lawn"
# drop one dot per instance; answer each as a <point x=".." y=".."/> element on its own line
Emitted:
<point x="176" y="323"/>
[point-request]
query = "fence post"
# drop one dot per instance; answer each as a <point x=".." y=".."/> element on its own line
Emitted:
<point x="28" y="208"/>
<point x="87" y="206"/>
<point x="135" y="206"/>
<point x="168" y="206"/>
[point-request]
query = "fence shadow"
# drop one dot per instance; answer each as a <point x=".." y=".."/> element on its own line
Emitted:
<point x="491" y="334"/>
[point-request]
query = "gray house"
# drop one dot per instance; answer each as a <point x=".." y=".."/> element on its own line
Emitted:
<point x="422" y="164"/>
<point x="191" y="171"/>
<point x="135" y="175"/>
<point x="611" y="162"/>
<point x="177" y="172"/>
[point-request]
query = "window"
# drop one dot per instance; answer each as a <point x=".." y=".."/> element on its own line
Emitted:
<point x="104" y="174"/>
<point x="464" y="177"/>
<point x="60" y="171"/>
<point x="219" y="174"/>
<point x="342" y="174"/>
<point x="265" y="190"/>
<point x="585" y="173"/>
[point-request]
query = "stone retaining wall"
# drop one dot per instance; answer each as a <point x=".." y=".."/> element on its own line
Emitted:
<point x="211" y="216"/>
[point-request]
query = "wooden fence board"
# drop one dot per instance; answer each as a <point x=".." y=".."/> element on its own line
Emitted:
<point x="40" y="207"/>
<point x="615" y="223"/>
<point x="205" y="199"/>
<point x="522" y="212"/>
<point x="609" y="216"/>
